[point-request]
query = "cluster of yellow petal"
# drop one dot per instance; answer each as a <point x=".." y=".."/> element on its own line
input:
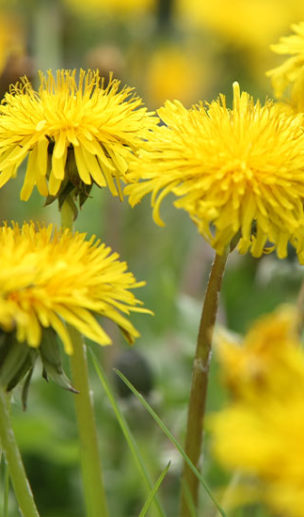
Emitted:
<point x="230" y="169"/>
<point x="102" y="125"/>
<point x="291" y="72"/>
<point x="49" y="278"/>
<point x="261" y="432"/>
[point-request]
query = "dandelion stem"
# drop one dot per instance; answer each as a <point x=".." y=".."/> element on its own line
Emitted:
<point x="94" y="491"/>
<point x="197" y="402"/>
<point x="17" y="473"/>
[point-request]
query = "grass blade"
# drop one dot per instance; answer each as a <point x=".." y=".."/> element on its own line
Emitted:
<point x="127" y="433"/>
<point x="172" y="439"/>
<point x="154" y="491"/>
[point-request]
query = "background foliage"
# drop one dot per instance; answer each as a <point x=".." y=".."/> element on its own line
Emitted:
<point x="189" y="50"/>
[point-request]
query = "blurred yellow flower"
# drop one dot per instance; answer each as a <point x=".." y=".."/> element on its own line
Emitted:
<point x="243" y="22"/>
<point x="172" y="74"/>
<point x="230" y="169"/>
<point x="49" y="278"/>
<point x="291" y="72"/>
<point x="260" y="433"/>
<point x="12" y="40"/>
<point x="79" y="132"/>
<point x="247" y="366"/>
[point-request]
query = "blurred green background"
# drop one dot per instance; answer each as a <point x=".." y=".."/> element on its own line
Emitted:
<point x="184" y="49"/>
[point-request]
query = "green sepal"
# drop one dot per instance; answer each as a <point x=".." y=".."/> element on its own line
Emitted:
<point x="68" y="194"/>
<point x="72" y="188"/>
<point x="25" y="367"/>
<point x="84" y="193"/>
<point x="16" y="359"/>
<point x="17" y="362"/>
<point x="71" y="193"/>
<point x="25" y="388"/>
<point x="49" y="200"/>
<point x="51" y="361"/>
<point x="234" y="241"/>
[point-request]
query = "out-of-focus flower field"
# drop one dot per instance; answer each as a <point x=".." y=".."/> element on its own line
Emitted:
<point x="189" y="50"/>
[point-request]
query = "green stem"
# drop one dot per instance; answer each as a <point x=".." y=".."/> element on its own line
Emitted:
<point x="197" y="402"/>
<point x="17" y="473"/>
<point x="90" y="458"/>
<point x="47" y="25"/>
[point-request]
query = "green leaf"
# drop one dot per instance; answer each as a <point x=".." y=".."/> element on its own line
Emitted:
<point x="127" y="433"/>
<point x="173" y="440"/>
<point x="154" y="491"/>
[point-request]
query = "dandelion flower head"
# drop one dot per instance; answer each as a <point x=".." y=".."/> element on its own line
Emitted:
<point x="49" y="279"/>
<point x="78" y="132"/>
<point x="237" y="172"/>
<point x="260" y="433"/>
<point x="248" y="363"/>
<point x="291" y="71"/>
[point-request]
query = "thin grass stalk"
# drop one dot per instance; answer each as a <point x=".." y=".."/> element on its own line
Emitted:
<point x="128" y="436"/>
<point x="173" y="440"/>
<point x="154" y="491"/>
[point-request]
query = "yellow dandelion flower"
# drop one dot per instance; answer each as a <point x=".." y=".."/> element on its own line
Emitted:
<point x="49" y="278"/>
<point x="245" y="22"/>
<point x="291" y="72"/>
<point x="73" y="132"/>
<point x="168" y="73"/>
<point x="248" y="364"/>
<point x="260" y="433"/>
<point x="231" y="170"/>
